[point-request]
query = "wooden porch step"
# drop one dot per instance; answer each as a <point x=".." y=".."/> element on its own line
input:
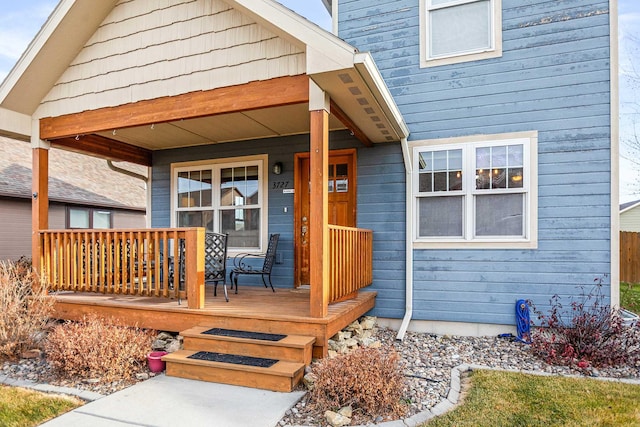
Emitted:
<point x="282" y="376"/>
<point x="291" y="348"/>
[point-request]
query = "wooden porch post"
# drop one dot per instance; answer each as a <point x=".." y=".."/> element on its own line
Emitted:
<point x="39" y="201"/>
<point x="194" y="267"/>
<point x="319" y="197"/>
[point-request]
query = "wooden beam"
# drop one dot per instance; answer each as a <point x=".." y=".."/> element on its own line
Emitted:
<point x="105" y="148"/>
<point x="346" y="120"/>
<point x="39" y="202"/>
<point x="319" y="214"/>
<point x="232" y="99"/>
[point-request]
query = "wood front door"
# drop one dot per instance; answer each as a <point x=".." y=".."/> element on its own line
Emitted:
<point x="342" y="202"/>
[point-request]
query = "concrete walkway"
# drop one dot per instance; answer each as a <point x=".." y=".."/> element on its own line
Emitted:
<point x="170" y="401"/>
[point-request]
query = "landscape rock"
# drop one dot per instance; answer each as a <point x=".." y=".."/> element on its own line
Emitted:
<point x="336" y="419"/>
<point x="309" y="380"/>
<point x="347" y="411"/>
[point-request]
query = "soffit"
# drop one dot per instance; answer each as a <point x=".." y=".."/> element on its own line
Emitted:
<point x="247" y="125"/>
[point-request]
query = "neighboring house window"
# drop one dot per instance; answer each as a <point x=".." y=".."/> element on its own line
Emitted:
<point x="455" y="31"/>
<point x="476" y="192"/>
<point x="88" y="218"/>
<point x="226" y="197"/>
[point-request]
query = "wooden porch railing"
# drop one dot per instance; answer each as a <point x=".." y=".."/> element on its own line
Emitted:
<point x="128" y="262"/>
<point x="350" y="261"/>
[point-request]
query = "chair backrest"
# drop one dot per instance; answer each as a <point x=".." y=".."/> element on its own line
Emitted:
<point x="270" y="255"/>
<point x="215" y="256"/>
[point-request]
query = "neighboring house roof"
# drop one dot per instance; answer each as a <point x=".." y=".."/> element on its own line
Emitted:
<point x="73" y="178"/>
<point x="629" y="205"/>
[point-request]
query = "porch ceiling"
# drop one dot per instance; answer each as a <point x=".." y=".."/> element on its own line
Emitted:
<point x="252" y="111"/>
<point x="246" y="125"/>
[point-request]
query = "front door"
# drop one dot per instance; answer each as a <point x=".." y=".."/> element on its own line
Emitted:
<point x="342" y="202"/>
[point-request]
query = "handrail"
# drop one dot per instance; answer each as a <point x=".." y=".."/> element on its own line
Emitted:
<point x="350" y="261"/>
<point x="138" y="262"/>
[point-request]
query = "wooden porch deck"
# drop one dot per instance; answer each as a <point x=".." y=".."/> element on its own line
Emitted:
<point x="287" y="311"/>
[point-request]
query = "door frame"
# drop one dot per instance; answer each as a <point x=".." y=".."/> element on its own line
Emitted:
<point x="297" y="200"/>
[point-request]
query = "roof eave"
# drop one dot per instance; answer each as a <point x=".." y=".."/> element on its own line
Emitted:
<point x="628" y="208"/>
<point x="51" y="52"/>
<point x="367" y="68"/>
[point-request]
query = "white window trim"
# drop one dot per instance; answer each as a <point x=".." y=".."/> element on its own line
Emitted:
<point x="494" y="52"/>
<point x="530" y="139"/>
<point x="263" y="173"/>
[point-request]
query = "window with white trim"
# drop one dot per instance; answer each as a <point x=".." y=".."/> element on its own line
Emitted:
<point x="78" y="217"/>
<point x="226" y="198"/>
<point x="460" y="30"/>
<point x="471" y="192"/>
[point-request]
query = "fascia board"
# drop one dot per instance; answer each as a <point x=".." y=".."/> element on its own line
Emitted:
<point x="35" y="47"/>
<point x="368" y="70"/>
<point x="59" y="40"/>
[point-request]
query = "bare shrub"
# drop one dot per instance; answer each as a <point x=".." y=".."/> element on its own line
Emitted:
<point x="368" y="379"/>
<point x="24" y="308"/>
<point x="98" y="348"/>
<point x="587" y="333"/>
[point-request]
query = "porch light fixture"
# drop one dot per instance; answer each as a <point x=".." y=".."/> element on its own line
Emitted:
<point x="277" y="168"/>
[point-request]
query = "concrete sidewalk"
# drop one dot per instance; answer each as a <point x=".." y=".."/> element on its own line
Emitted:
<point x="170" y="401"/>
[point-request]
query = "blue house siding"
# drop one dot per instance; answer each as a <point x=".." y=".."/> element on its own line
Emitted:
<point x="553" y="77"/>
<point x="380" y="202"/>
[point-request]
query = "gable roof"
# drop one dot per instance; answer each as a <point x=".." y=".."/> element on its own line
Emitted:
<point x="629" y="205"/>
<point x="74" y="178"/>
<point x="73" y="22"/>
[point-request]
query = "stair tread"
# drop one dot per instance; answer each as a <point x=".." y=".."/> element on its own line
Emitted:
<point x="299" y="341"/>
<point x="281" y="368"/>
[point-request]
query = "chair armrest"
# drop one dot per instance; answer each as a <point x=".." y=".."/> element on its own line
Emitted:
<point x="239" y="261"/>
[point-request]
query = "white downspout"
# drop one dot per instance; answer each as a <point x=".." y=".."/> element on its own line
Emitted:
<point x="408" y="241"/>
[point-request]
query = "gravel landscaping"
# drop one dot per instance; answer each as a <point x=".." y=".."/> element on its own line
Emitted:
<point x="426" y="360"/>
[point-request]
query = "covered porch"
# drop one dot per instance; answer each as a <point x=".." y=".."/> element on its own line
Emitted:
<point x="340" y="258"/>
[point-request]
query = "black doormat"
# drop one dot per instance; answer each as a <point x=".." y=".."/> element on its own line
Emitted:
<point x="244" y="334"/>
<point x="233" y="358"/>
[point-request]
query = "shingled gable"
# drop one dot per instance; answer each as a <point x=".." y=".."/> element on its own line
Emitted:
<point x="73" y="22"/>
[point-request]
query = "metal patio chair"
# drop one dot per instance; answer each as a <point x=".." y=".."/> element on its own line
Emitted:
<point x="215" y="261"/>
<point x="241" y="266"/>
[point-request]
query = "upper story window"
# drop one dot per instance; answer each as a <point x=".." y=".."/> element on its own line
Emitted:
<point x="455" y="31"/>
<point x="225" y="197"/>
<point x="473" y="193"/>
<point x="89" y="218"/>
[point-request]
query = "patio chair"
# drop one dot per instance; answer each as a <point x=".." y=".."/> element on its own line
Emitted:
<point x="215" y="261"/>
<point x="241" y="265"/>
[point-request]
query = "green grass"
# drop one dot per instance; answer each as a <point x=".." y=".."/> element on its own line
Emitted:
<point x="630" y="296"/>
<point x="25" y="408"/>
<point x="508" y="399"/>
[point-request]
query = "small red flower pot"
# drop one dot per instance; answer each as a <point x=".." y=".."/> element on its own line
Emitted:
<point x="156" y="364"/>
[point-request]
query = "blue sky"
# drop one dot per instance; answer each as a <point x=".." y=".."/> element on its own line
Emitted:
<point x="20" y="20"/>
